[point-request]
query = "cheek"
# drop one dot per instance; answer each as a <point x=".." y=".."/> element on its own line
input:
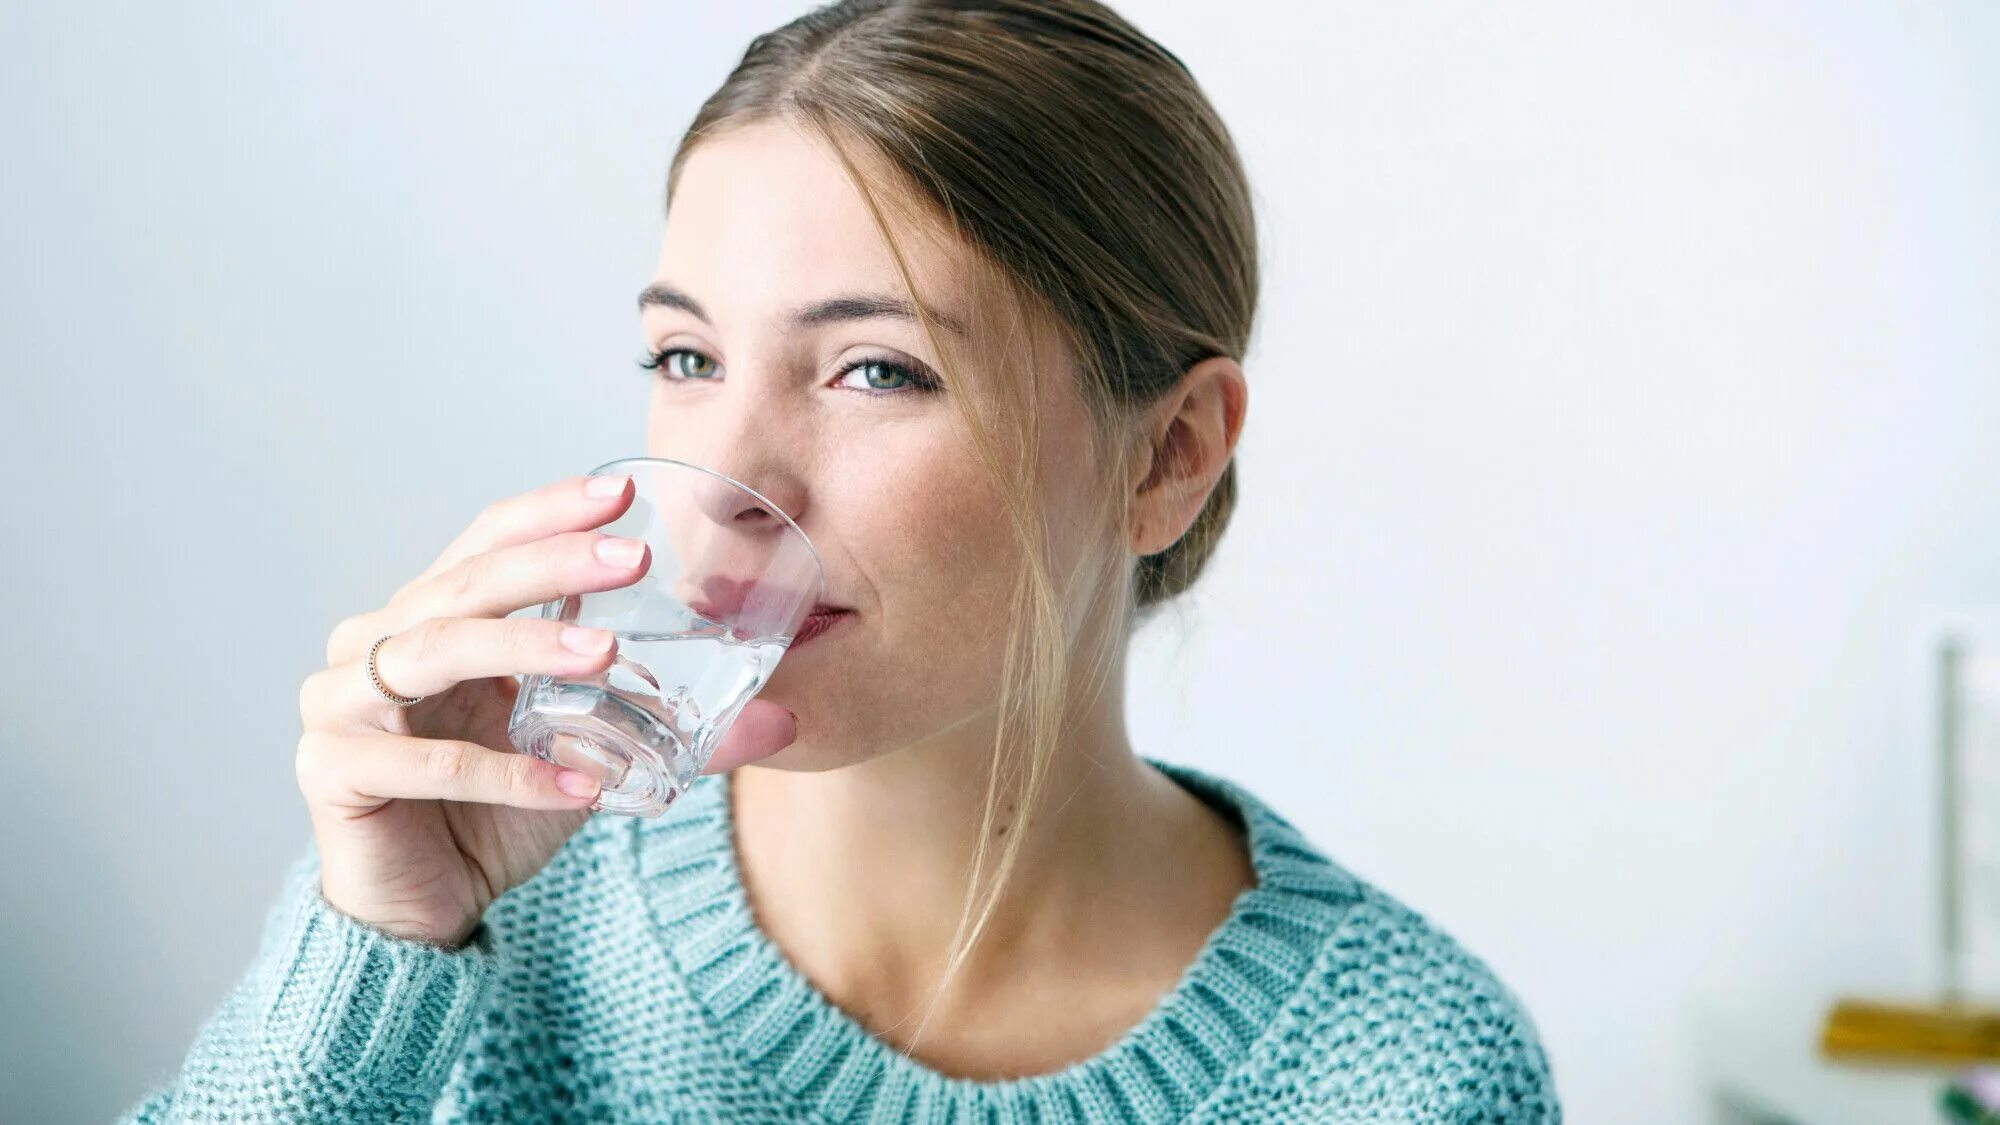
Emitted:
<point x="933" y="563"/>
<point x="938" y="548"/>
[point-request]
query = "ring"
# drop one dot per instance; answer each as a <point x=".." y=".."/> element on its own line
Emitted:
<point x="375" y="677"/>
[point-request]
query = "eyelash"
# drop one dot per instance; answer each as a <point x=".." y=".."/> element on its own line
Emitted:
<point x="919" y="379"/>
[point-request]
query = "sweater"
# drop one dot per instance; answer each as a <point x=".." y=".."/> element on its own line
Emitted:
<point x="629" y="981"/>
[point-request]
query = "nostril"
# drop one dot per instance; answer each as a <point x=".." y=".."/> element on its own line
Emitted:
<point x="731" y="500"/>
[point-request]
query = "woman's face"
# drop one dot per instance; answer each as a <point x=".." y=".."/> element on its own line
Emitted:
<point x="782" y="364"/>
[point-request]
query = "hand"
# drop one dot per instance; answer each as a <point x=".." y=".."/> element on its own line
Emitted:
<point x="423" y="815"/>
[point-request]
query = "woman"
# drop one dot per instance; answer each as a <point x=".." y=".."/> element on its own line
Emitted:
<point x="964" y="288"/>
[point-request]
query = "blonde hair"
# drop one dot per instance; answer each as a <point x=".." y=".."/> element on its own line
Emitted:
<point x="1108" y="203"/>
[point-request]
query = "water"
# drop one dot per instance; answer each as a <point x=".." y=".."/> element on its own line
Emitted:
<point x="648" y="724"/>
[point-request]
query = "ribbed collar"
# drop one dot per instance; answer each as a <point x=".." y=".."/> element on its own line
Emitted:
<point x="833" y="1070"/>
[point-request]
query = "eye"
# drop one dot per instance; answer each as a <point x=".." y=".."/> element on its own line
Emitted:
<point x="881" y="376"/>
<point x="680" y="364"/>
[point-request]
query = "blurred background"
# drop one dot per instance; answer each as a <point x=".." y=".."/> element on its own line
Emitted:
<point x="1622" y="426"/>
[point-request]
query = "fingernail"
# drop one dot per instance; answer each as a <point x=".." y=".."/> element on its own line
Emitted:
<point x="618" y="552"/>
<point x="589" y="642"/>
<point x="576" y="783"/>
<point x="599" y="487"/>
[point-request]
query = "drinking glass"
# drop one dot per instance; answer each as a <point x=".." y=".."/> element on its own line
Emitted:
<point x="729" y="582"/>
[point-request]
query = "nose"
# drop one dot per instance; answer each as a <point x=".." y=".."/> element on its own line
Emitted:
<point x="732" y="507"/>
<point x="750" y="434"/>
<point x="736" y="561"/>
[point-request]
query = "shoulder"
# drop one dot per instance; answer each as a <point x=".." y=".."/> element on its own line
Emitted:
<point x="1425" y="1024"/>
<point x="1391" y="1017"/>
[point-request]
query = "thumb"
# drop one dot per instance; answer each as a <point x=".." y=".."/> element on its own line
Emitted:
<point x="761" y="729"/>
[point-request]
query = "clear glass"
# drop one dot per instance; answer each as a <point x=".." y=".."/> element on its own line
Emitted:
<point x="729" y="581"/>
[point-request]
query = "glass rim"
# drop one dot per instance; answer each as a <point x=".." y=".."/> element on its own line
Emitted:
<point x="819" y="564"/>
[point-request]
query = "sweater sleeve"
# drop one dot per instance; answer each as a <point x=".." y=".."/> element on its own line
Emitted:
<point x="1522" y="1090"/>
<point x="333" y="1021"/>
<point x="1510" y="1081"/>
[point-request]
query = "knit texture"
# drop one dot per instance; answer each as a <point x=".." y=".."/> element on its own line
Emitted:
<point x="628" y="981"/>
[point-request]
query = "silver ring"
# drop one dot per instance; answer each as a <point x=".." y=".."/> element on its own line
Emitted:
<point x="375" y="677"/>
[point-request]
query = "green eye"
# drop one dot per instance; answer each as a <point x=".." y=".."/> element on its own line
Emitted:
<point x="883" y="377"/>
<point x="690" y="364"/>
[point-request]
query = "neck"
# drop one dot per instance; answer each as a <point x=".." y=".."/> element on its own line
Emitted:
<point x="860" y="874"/>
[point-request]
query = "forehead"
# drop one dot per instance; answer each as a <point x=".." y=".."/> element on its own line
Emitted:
<point x="766" y="212"/>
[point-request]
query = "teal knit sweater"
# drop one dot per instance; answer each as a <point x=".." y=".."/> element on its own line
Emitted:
<point x="628" y="981"/>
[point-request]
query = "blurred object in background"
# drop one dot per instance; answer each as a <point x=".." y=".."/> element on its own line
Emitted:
<point x="1969" y="749"/>
<point x="1891" y="1059"/>
<point x="1963" y="1021"/>
<point x="1973" y="1098"/>
<point x="1946" y="1031"/>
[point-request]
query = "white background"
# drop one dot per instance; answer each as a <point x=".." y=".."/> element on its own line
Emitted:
<point x="1625" y="387"/>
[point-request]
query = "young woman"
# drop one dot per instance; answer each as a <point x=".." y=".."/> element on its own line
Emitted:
<point x="964" y="287"/>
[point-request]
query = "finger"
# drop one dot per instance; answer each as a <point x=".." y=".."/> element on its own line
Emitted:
<point x="501" y="581"/>
<point x="366" y="770"/>
<point x="571" y="504"/>
<point x="438" y="653"/>
<point x="761" y="729"/>
<point x="567" y="505"/>
<point x="494" y="585"/>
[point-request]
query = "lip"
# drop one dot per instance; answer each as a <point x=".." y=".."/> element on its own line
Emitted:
<point x="818" y="623"/>
<point x="723" y="597"/>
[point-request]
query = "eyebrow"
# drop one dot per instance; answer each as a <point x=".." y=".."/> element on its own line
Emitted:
<point x="851" y="306"/>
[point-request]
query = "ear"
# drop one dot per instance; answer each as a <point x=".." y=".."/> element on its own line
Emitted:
<point x="1189" y="436"/>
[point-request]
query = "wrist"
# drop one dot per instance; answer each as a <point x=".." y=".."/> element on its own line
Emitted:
<point x="448" y="935"/>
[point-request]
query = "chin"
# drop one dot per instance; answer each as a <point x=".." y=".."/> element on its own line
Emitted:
<point x="828" y="715"/>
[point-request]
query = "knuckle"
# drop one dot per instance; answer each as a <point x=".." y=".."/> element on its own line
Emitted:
<point x="408" y="589"/>
<point x="310" y="762"/>
<point x="447" y="764"/>
<point x="309" y="695"/>
<point x="494" y="513"/>
<point x="340" y="641"/>
<point x="528" y="638"/>
<point x="430" y="639"/>
<point x="463" y="579"/>
<point x="570" y="552"/>
<point x="522" y="775"/>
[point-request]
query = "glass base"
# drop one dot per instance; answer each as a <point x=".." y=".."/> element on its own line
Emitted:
<point x="636" y="780"/>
